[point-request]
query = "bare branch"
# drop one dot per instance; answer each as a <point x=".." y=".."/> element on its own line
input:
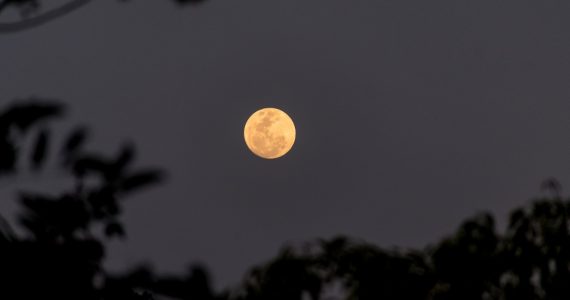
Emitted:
<point x="42" y="18"/>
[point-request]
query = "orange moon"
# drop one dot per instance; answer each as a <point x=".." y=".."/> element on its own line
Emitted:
<point x="269" y="133"/>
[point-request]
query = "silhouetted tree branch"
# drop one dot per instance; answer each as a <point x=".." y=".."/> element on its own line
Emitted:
<point x="35" y="21"/>
<point x="31" y="15"/>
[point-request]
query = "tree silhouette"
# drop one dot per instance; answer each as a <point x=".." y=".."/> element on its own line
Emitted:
<point x="60" y="253"/>
<point x="531" y="260"/>
<point x="58" y="250"/>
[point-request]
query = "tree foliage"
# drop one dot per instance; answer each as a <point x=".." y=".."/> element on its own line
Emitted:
<point x="59" y="250"/>
<point x="531" y="260"/>
<point x="62" y="246"/>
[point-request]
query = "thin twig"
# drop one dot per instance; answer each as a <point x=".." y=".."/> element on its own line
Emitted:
<point x="42" y="18"/>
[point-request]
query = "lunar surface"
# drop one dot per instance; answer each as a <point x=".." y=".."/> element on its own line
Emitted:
<point x="269" y="133"/>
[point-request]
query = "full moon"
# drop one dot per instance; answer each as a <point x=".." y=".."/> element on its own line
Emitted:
<point x="269" y="133"/>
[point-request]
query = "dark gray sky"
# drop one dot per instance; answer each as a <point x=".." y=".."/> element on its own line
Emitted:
<point x="411" y="115"/>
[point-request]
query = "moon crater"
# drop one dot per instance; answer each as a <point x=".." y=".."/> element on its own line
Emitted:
<point x="269" y="133"/>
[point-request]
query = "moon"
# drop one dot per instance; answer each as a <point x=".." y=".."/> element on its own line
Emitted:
<point x="269" y="133"/>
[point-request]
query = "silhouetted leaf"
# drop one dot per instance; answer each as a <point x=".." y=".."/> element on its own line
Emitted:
<point x="140" y="179"/>
<point x="8" y="156"/>
<point x="125" y="157"/>
<point x="75" y="140"/>
<point x="23" y="116"/>
<point x="40" y="149"/>
<point x="90" y="164"/>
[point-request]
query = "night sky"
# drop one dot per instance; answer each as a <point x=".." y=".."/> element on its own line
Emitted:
<point x="411" y="116"/>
